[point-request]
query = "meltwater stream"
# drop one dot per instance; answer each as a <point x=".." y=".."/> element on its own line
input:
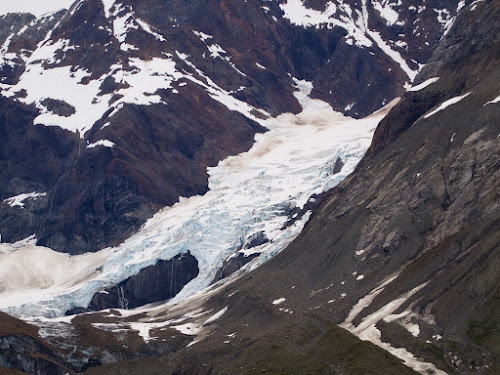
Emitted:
<point x="249" y="193"/>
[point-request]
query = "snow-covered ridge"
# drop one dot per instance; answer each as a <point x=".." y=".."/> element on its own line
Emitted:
<point x="341" y="16"/>
<point x="142" y="80"/>
<point x="249" y="193"/>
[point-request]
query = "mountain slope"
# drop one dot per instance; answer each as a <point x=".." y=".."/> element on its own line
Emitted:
<point x="403" y="254"/>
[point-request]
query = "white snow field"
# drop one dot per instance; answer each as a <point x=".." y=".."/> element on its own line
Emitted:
<point x="249" y="193"/>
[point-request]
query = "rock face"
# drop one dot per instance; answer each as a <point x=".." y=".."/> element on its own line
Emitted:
<point x="156" y="283"/>
<point x="153" y="93"/>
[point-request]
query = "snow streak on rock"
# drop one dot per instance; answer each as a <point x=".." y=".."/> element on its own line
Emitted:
<point x="446" y="104"/>
<point x="368" y="331"/>
<point x="423" y="85"/>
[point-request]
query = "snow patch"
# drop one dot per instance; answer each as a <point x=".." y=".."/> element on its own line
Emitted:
<point x="373" y="335"/>
<point x="144" y="329"/>
<point x="349" y="107"/>
<point x="413" y="328"/>
<point x="367" y="330"/>
<point x="142" y="80"/>
<point x="8" y="58"/>
<point x="404" y="319"/>
<point x="394" y="55"/>
<point x="147" y="28"/>
<point x="279" y="301"/>
<point x="188" y="329"/>
<point x="354" y="22"/>
<point x="298" y="14"/>
<point x="423" y="85"/>
<point x="122" y="25"/>
<point x="385" y="8"/>
<point x="368" y="299"/>
<point x="101" y="142"/>
<point x="108" y="4"/>
<point x="446" y="104"/>
<point x="18" y="200"/>
<point x="214" y="317"/>
<point x="217" y="93"/>
<point x="494" y="101"/>
<point x="386" y="310"/>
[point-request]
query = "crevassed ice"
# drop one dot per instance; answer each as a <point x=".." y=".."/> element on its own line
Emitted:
<point x="249" y="193"/>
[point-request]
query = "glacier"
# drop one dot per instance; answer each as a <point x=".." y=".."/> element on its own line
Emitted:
<point x="249" y="193"/>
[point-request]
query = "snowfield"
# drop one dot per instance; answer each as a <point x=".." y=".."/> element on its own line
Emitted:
<point x="250" y="193"/>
